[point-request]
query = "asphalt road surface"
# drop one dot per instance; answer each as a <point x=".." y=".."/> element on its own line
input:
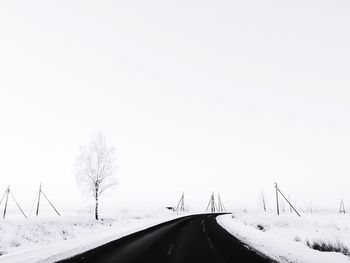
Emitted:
<point x="195" y="239"/>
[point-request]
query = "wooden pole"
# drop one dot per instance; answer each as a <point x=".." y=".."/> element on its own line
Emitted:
<point x="183" y="202"/>
<point x="221" y="207"/>
<point x="342" y="207"/>
<point x="212" y="203"/>
<point x="263" y="201"/>
<point x="278" y="208"/>
<point x="34" y="201"/>
<point x="310" y="207"/>
<point x="7" y="198"/>
<point x="37" y="207"/>
<point x="206" y="210"/>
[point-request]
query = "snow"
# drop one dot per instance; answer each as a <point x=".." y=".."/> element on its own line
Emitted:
<point x="48" y="239"/>
<point x="284" y="237"/>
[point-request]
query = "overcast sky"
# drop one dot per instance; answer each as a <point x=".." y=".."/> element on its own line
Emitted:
<point x="196" y="96"/>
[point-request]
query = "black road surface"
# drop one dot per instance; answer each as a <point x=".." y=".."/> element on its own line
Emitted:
<point x="195" y="239"/>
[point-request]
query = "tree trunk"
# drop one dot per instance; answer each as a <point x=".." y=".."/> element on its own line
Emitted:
<point x="96" y="202"/>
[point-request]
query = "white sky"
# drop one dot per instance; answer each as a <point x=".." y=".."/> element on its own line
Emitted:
<point x="229" y="96"/>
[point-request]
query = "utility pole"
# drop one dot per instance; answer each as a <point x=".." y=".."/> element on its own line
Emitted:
<point x="278" y="191"/>
<point x="212" y="204"/>
<point x="263" y="201"/>
<point x="7" y="198"/>
<point x="37" y="207"/>
<point x="278" y="208"/>
<point x="41" y="192"/>
<point x="310" y="207"/>
<point x="6" y="194"/>
<point x="342" y="207"/>
<point x="181" y="204"/>
<point x="221" y="207"/>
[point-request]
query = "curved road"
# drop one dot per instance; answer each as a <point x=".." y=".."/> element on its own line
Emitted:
<point x="195" y="238"/>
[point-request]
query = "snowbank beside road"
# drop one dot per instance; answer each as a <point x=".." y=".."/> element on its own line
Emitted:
<point x="51" y="239"/>
<point x="285" y="237"/>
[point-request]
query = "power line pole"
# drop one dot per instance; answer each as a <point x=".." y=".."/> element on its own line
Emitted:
<point x="278" y="191"/>
<point x="219" y="204"/>
<point x="310" y="207"/>
<point x="278" y="208"/>
<point x="37" y="207"/>
<point x="342" y="207"/>
<point x="263" y="201"/>
<point x="221" y="207"/>
<point x="38" y="203"/>
<point x="211" y="204"/>
<point x="181" y="204"/>
<point x="7" y="192"/>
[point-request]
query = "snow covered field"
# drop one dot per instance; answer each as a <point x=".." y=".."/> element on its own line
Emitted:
<point x="46" y="239"/>
<point x="286" y="237"/>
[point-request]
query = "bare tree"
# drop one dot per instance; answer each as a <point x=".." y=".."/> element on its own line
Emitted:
<point x="95" y="168"/>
